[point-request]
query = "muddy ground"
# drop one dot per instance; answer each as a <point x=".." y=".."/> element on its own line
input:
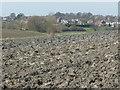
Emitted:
<point x="83" y="61"/>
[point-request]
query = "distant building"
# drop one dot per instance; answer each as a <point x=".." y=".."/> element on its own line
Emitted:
<point x="64" y="21"/>
<point x="90" y="21"/>
<point x="114" y="24"/>
<point x="8" y="19"/>
<point x="79" y="22"/>
<point x="98" y="23"/>
<point x="59" y="20"/>
<point x="103" y="23"/>
<point x="4" y="19"/>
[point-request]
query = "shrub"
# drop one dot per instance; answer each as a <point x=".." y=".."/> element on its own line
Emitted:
<point x="76" y="28"/>
<point x="43" y="24"/>
<point x="60" y="28"/>
<point x="37" y="23"/>
<point x="51" y="24"/>
<point x="12" y="25"/>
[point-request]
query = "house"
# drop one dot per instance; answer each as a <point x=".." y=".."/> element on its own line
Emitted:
<point x="8" y="19"/>
<point x="5" y="19"/>
<point x="115" y="24"/>
<point x="59" y="20"/>
<point x="90" y="21"/>
<point x="103" y="23"/>
<point x="70" y="21"/>
<point x="79" y="22"/>
<point x="98" y="23"/>
<point x="64" y="21"/>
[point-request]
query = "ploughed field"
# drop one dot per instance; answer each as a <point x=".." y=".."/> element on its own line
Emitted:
<point x="70" y="61"/>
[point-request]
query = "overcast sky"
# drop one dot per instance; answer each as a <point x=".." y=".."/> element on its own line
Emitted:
<point x="40" y="8"/>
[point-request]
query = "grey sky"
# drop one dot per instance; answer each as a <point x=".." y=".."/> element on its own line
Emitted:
<point x="40" y="8"/>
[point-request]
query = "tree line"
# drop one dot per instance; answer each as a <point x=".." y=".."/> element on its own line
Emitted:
<point x="44" y="24"/>
<point x="48" y="23"/>
<point x="86" y="16"/>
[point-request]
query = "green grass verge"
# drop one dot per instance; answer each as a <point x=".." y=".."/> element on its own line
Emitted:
<point x="69" y="33"/>
<point x="39" y="35"/>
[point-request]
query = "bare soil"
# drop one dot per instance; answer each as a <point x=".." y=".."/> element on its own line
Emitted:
<point x="71" y="61"/>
